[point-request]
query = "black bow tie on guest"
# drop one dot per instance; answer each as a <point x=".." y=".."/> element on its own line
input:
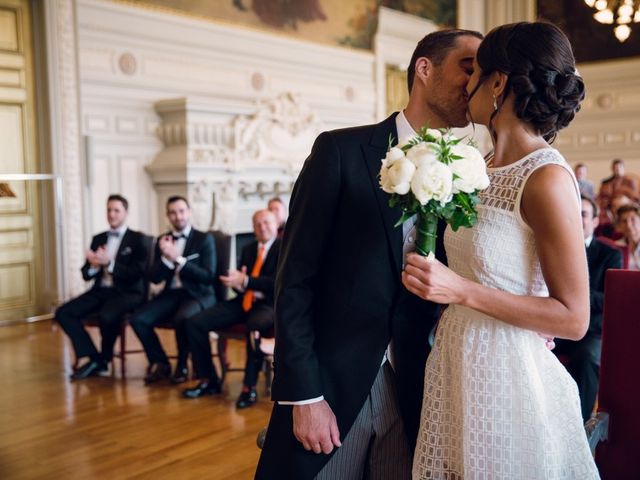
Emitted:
<point x="178" y="236"/>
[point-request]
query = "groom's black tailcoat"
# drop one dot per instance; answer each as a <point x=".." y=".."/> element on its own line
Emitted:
<point x="339" y="297"/>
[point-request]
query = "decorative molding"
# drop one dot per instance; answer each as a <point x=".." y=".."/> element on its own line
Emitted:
<point x="59" y="17"/>
<point x="127" y="63"/>
<point x="230" y="169"/>
<point x="130" y="59"/>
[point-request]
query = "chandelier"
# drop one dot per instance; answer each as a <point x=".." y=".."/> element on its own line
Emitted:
<point x="619" y="12"/>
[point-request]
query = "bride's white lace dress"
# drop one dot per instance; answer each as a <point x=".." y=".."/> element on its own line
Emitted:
<point x="497" y="403"/>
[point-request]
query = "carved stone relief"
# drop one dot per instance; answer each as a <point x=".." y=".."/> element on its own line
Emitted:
<point x="229" y="170"/>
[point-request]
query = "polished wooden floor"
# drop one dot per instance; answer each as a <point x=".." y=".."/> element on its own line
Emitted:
<point x="113" y="428"/>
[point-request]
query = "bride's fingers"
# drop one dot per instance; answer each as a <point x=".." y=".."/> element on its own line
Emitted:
<point x="419" y="273"/>
<point x="414" y="285"/>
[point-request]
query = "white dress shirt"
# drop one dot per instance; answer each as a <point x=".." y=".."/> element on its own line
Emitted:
<point x="405" y="130"/>
<point x="114" y="239"/>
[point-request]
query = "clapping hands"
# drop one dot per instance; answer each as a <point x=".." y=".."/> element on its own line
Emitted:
<point x="235" y="279"/>
<point x="167" y="246"/>
<point x="99" y="258"/>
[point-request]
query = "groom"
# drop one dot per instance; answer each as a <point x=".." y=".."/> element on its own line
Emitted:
<point x="351" y="343"/>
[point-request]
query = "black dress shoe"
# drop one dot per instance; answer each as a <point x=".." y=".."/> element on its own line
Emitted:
<point x="202" y="389"/>
<point x="247" y="399"/>
<point x="157" y="372"/>
<point x="90" y="369"/>
<point x="180" y="375"/>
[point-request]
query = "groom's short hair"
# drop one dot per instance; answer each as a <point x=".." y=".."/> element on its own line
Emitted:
<point x="436" y="46"/>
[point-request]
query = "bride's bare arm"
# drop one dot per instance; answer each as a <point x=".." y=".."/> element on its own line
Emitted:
<point x="549" y="206"/>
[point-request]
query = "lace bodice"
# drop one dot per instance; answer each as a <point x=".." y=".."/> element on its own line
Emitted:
<point x="500" y="250"/>
<point x="498" y="405"/>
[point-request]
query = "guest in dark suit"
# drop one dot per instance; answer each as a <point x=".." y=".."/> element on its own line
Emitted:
<point x="186" y="261"/>
<point x="339" y="298"/>
<point x="279" y="209"/>
<point x="116" y="262"/>
<point x="253" y="306"/>
<point x="584" y="355"/>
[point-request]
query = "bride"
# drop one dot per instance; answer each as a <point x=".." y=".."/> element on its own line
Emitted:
<point x="497" y="403"/>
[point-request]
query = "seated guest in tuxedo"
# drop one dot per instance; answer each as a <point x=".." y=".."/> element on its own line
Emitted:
<point x="584" y="355"/>
<point x="115" y="262"/>
<point x="279" y="209"/>
<point x="628" y="222"/>
<point x="185" y="259"/>
<point x="253" y="306"/>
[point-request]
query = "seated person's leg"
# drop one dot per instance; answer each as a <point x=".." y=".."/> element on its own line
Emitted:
<point x="259" y="319"/>
<point x="111" y="318"/>
<point x="188" y="308"/>
<point x="70" y="316"/>
<point x="220" y="316"/>
<point x="143" y="322"/>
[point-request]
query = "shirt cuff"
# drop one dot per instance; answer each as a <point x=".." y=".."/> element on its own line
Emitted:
<point x="111" y="266"/>
<point x="181" y="262"/>
<point x="92" y="271"/>
<point x="302" y="402"/>
<point x="168" y="263"/>
<point x="245" y="283"/>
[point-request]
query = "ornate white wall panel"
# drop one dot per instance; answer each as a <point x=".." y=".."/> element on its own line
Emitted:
<point x="131" y="58"/>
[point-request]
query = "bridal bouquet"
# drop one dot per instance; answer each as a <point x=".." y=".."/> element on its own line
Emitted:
<point x="433" y="176"/>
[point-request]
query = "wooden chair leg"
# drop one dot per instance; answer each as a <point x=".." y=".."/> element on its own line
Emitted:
<point x="222" y="356"/>
<point x="123" y="349"/>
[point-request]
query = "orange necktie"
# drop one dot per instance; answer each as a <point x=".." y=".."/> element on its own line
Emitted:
<point x="249" y="296"/>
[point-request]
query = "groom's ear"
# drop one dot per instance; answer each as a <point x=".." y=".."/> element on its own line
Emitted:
<point x="424" y="69"/>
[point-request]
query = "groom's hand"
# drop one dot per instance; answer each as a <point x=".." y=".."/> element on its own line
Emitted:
<point x="315" y="426"/>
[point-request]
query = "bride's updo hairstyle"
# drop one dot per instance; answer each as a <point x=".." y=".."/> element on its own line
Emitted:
<point x="542" y="77"/>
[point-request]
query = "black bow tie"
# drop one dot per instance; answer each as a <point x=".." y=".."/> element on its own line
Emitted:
<point x="178" y="236"/>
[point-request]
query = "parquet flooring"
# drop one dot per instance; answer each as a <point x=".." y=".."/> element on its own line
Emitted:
<point x="114" y="428"/>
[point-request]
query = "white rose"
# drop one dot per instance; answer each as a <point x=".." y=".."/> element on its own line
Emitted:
<point x="385" y="182"/>
<point x="470" y="170"/>
<point x="400" y="174"/>
<point x="423" y="154"/>
<point x="393" y="155"/>
<point x="432" y="181"/>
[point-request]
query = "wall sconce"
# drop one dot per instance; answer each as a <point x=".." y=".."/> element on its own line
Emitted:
<point x="5" y="191"/>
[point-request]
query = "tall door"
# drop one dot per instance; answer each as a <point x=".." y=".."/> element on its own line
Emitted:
<point x="20" y="262"/>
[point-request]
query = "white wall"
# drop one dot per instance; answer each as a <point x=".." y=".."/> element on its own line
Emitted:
<point x="130" y="58"/>
<point x="608" y="125"/>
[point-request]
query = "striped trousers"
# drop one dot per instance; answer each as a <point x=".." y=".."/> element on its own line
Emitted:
<point x="376" y="447"/>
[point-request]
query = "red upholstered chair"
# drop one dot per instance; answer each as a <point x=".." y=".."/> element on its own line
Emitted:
<point x="618" y="419"/>
<point x="621" y="248"/>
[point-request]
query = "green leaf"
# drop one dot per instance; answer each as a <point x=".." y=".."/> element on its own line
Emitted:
<point x="405" y="216"/>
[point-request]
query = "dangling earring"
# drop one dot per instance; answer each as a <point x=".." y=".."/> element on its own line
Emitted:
<point x="495" y="103"/>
